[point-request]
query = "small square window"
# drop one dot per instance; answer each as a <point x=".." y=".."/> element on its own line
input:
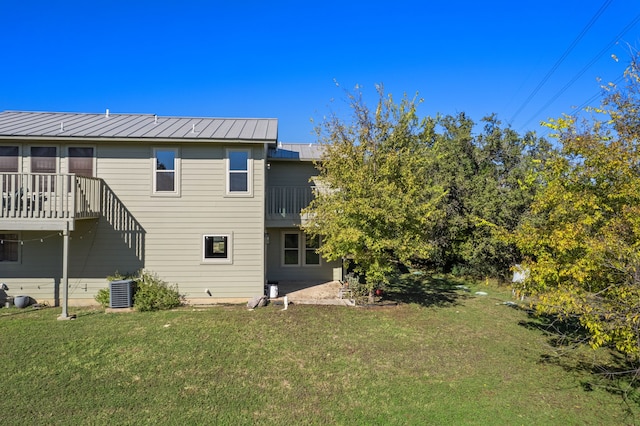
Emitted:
<point x="217" y="248"/>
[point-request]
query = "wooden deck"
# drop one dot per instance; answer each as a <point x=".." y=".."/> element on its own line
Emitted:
<point x="32" y="201"/>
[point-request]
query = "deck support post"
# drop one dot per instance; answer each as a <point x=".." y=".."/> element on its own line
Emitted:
<point x="64" y="283"/>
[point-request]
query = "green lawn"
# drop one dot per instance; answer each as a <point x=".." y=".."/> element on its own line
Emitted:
<point x="447" y="357"/>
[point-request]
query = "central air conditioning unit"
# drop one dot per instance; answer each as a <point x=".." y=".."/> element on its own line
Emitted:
<point x="121" y="294"/>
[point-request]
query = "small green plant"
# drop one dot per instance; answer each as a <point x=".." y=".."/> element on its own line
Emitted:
<point x="150" y="293"/>
<point x="103" y="297"/>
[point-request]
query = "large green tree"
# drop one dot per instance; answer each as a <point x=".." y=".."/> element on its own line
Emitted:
<point x="483" y="170"/>
<point x="582" y="236"/>
<point x="376" y="203"/>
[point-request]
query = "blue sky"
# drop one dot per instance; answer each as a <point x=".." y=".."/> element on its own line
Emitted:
<point x="281" y="58"/>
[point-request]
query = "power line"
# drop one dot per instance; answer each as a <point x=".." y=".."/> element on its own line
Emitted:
<point x="584" y="69"/>
<point x="562" y="58"/>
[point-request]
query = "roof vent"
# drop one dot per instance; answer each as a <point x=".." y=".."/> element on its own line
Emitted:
<point x="106" y="114"/>
<point x="155" y="118"/>
<point x="62" y="126"/>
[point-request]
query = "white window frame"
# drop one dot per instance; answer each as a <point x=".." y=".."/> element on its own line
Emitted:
<point x="228" y="172"/>
<point x="218" y="260"/>
<point x="176" y="171"/>
<point x="301" y="251"/>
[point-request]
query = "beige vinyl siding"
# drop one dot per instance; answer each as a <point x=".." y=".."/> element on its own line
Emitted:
<point x="173" y="227"/>
<point x="161" y="234"/>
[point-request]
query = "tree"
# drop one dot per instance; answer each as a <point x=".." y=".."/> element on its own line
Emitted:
<point x="375" y="203"/>
<point x="484" y="176"/>
<point x="582" y="236"/>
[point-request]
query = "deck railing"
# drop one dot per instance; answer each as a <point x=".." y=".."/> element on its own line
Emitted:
<point x="285" y="202"/>
<point x="49" y="196"/>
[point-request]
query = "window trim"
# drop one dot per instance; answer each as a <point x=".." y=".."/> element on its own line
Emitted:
<point x="218" y="260"/>
<point x="228" y="171"/>
<point x="176" y="171"/>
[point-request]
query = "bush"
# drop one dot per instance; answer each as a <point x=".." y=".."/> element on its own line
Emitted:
<point x="150" y="293"/>
<point x="153" y="294"/>
<point x="103" y="297"/>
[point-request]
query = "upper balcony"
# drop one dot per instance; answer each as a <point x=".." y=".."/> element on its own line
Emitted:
<point x="47" y="201"/>
<point x="284" y="204"/>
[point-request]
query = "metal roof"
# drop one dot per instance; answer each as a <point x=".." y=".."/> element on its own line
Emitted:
<point x="135" y="126"/>
<point x="296" y="151"/>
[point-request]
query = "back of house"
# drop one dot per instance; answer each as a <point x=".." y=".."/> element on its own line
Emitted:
<point x="209" y="204"/>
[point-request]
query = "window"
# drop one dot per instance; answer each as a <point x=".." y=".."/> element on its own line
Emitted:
<point x="9" y="247"/>
<point x="9" y="164"/>
<point x="291" y="248"/>
<point x="294" y="253"/>
<point x="311" y="255"/>
<point x="81" y="161"/>
<point x="9" y="159"/>
<point x="166" y="171"/>
<point x="43" y="161"/>
<point x="216" y="248"/>
<point x="238" y="171"/>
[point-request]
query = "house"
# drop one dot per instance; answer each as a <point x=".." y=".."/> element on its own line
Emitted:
<point x="210" y="204"/>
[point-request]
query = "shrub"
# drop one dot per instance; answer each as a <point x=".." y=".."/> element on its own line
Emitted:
<point x="153" y="294"/>
<point x="103" y="297"/>
<point x="150" y="293"/>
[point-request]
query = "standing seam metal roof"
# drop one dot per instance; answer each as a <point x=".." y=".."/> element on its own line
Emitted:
<point x="135" y="126"/>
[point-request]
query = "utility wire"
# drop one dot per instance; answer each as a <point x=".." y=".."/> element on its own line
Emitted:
<point x="584" y="69"/>
<point x="563" y="57"/>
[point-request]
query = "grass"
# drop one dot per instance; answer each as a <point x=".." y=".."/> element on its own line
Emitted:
<point x="443" y="356"/>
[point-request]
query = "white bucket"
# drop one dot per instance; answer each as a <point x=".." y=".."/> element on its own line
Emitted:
<point x="273" y="291"/>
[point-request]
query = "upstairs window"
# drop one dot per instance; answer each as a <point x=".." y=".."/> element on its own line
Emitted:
<point x="9" y="164"/>
<point x="43" y="161"/>
<point x="9" y="159"/>
<point x="166" y="171"/>
<point x="238" y="172"/>
<point x="81" y="161"/>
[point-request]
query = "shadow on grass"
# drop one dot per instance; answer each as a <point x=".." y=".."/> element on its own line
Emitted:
<point x="606" y="368"/>
<point x="424" y="290"/>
